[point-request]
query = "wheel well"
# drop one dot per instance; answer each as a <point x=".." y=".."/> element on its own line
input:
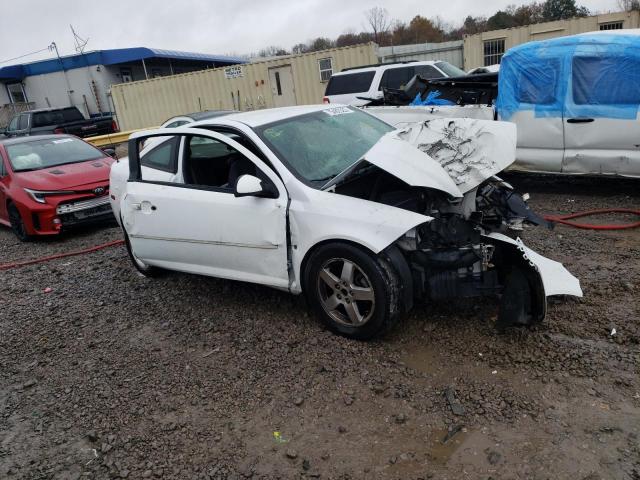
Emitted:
<point x="310" y="252"/>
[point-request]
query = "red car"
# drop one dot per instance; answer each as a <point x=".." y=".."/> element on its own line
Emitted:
<point x="51" y="182"/>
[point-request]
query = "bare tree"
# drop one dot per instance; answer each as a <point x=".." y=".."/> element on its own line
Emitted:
<point x="378" y="20"/>
<point x="629" y="5"/>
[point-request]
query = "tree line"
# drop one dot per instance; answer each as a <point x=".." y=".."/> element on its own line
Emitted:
<point x="385" y="31"/>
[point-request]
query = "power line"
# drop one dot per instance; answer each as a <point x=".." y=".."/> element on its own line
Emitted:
<point x="25" y="55"/>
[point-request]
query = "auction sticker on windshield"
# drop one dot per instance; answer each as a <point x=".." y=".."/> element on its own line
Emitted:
<point x="337" y="111"/>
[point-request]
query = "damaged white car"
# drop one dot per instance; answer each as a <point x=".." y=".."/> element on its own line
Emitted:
<point x="332" y="202"/>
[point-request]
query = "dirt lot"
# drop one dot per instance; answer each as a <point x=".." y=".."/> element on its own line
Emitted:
<point x="114" y="375"/>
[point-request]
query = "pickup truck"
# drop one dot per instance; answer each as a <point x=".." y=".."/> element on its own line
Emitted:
<point x="67" y="120"/>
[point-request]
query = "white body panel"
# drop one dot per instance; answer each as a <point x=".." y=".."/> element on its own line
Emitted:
<point x="556" y="279"/>
<point x="402" y="116"/>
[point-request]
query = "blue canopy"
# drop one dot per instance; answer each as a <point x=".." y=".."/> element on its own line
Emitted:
<point x="108" y="57"/>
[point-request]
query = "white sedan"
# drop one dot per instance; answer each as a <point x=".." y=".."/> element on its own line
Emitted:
<point x="332" y="202"/>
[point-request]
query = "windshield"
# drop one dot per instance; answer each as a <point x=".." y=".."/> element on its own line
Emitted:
<point x="318" y="146"/>
<point x="50" y="152"/>
<point x="450" y="70"/>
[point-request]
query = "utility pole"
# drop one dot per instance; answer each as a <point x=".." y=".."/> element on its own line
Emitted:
<point x="54" y="47"/>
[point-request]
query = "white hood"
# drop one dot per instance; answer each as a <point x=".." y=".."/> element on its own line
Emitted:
<point x="452" y="155"/>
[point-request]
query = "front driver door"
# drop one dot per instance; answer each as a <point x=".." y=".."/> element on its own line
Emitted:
<point x="197" y="225"/>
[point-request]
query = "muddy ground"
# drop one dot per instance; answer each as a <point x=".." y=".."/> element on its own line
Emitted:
<point x="112" y="375"/>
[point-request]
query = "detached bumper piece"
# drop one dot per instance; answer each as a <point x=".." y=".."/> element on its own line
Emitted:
<point x="84" y="211"/>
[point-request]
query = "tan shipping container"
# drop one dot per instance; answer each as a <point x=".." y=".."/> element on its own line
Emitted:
<point x="474" y="45"/>
<point x="283" y="81"/>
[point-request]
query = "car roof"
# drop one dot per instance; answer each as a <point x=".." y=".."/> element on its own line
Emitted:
<point x="256" y="118"/>
<point x="208" y="114"/>
<point x="385" y="66"/>
<point x="16" y="140"/>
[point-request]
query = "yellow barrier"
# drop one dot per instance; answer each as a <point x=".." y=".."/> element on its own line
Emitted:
<point x="113" y="138"/>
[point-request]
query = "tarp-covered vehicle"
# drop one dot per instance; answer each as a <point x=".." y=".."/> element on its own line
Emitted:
<point x="334" y="203"/>
<point x="575" y="102"/>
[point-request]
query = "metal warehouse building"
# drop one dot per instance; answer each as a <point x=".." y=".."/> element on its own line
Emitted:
<point x="283" y="81"/>
<point x="84" y="79"/>
<point x="448" y="51"/>
<point x="487" y="48"/>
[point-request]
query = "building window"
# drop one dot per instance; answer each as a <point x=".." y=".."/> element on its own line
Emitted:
<point x="612" y="26"/>
<point x="16" y="93"/>
<point x="125" y="74"/>
<point x="493" y="51"/>
<point x="326" y="69"/>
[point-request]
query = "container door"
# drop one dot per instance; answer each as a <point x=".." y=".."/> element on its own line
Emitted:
<point x="282" y="86"/>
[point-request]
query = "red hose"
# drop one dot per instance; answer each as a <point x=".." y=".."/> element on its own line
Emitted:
<point x="8" y="266"/>
<point x="563" y="219"/>
<point x="566" y="219"/>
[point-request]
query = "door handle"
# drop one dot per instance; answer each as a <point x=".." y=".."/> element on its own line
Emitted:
<point x="580" y="120"/>
<point x="136" y="206"/>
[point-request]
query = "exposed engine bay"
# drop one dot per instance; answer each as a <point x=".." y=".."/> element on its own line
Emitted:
<point x="451" y="256"/>
<point x="456" y="253"/>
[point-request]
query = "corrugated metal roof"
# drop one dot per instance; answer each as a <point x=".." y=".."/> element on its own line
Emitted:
<point x="108" y="57"/>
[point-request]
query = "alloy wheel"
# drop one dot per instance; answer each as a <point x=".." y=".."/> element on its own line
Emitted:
<point x="346" y="293"/>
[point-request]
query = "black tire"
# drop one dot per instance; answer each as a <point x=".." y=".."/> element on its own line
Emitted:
<point x="17" y="224"/>
<point x="372" y="278"/>
<point x="143" y="268"/>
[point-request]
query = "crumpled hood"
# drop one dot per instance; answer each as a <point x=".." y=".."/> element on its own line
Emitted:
<point x="452" y="155"/>
<point x="66" y="177"/>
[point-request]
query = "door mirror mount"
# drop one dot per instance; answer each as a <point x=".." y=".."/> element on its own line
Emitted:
<point x="250" y="186"/>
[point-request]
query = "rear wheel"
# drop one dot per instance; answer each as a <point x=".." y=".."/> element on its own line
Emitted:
<point x="17" y="224"/>
<point x="355" y="293"/>
<point x="143" y="268"/>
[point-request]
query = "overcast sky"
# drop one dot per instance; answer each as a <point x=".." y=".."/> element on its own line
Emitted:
<point x="210" y="26"/>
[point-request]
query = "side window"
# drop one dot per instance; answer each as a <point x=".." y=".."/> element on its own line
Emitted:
<point x="163" y="156"/>
<point x="23" y="122"/>
<point x="537" y="82"/>
<point x="213" y="164"/>
<point x="606" y="80"/>
<point x="396" y="78"/>
<point x="427" y="71"/>
<point x="14" y="124"/>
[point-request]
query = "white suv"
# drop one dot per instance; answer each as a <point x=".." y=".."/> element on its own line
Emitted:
<point x="346" y="86"/>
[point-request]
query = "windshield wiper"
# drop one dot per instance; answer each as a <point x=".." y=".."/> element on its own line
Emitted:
<point x="346" y="172"/>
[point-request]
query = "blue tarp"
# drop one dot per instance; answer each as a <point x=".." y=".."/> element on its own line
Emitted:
<point x="432" y="99"/>
<point x="595" y="75"/>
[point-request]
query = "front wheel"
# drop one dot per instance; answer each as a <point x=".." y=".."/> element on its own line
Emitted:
<point x="355" y="293"/>
<point x="17" y="224"/>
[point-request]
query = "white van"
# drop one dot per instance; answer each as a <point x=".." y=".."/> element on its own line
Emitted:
<point x="346" y="86"/>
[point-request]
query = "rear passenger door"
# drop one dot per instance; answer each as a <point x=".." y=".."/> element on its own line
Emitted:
<point x="602" y="124"/>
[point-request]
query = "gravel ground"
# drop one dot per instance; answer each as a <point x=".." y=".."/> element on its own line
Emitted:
<point x="113" y="375"/>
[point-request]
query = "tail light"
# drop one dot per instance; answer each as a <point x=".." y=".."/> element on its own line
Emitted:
<point x="325" y="100"/>
<point x="58" y="130"/>
<point x="114" y="126"/>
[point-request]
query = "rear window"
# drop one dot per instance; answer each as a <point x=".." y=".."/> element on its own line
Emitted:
<point x="350" y="83"/>
<point x="55" y="117"/>
<point x="610" y="80"/>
